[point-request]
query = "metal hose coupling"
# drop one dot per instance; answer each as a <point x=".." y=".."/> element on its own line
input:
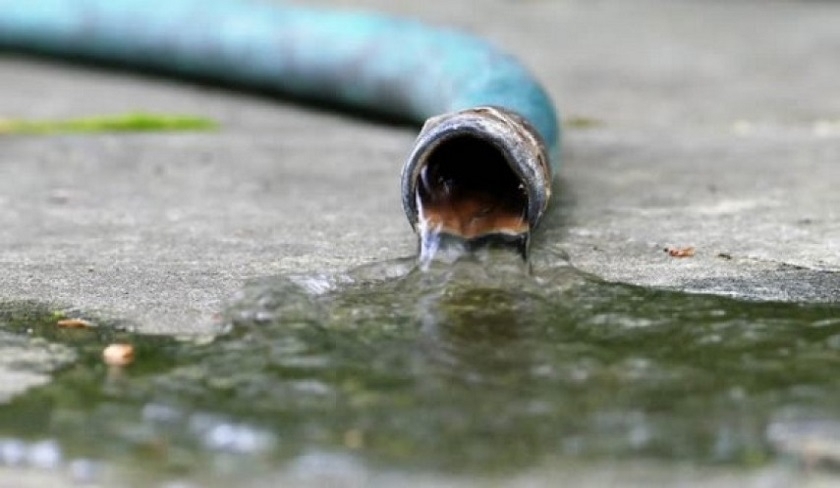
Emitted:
<point x="477" y="172"/>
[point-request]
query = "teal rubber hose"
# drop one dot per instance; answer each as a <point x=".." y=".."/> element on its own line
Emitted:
<point x="463" y="86"/>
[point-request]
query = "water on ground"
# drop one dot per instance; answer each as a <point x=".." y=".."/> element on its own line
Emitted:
<point x="480" y="368"/>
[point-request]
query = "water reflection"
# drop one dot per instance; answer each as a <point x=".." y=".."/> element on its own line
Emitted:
<point x="462" y="368"/>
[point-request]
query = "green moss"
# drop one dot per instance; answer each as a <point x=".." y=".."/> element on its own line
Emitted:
<point x="581" y="122"/>
<point x="131" y="122"/>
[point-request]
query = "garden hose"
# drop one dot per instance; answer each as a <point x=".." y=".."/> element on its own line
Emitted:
<point x="482" y="163"/>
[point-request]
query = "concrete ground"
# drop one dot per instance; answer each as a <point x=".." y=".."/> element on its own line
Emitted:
<point x="714" y="125"/>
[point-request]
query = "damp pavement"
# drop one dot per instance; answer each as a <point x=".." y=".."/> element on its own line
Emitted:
<point x="713" y="126"/>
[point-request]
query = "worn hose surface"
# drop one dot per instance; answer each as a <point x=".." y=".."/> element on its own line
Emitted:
<point x="373" y="62"/>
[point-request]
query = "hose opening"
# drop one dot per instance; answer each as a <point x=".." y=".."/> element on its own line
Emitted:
<point x="468" y="189"/>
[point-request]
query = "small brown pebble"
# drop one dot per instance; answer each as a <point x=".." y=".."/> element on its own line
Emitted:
<point x="74" y="323"/>
<point x="118" y="354"/>
<point x="680" y="252"/>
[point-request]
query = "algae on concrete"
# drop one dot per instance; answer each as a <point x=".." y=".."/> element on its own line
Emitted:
<point x="131" y="122"/>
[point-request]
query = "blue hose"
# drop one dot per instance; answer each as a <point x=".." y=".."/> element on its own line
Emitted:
<point x="368" y="61"/>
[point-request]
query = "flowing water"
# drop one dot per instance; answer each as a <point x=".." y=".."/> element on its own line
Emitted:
<point x="475" y="204"/>
<point x="480" y="368"/>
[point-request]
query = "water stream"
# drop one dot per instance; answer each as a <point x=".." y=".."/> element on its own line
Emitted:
<point x="459" y="368"/>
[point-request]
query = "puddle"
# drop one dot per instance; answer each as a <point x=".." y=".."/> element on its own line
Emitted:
<point x="463" y="370"/>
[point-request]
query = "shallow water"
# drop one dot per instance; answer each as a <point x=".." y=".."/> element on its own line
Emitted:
<point x="464" y="369"/>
